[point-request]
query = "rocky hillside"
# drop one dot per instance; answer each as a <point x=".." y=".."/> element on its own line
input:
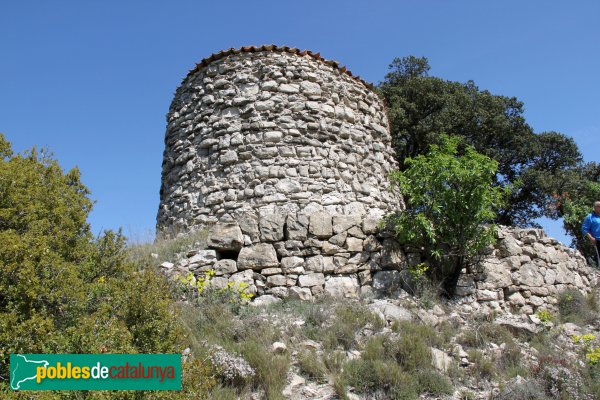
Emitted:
<point x="403" y="345"/>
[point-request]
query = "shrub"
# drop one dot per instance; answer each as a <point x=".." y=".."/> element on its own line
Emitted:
<point x="530" y="389"/>
<point x="483" y="367"/>
<point x="449" y="199"/>
<point x="348" y="319"/>
<point x="311" y="365"/>
<point x="433" y="337"/>
<point x="560" y="379"/>
<point x="271" y="369"/>
<point x="371" y="376"/>
<point x="432" y="382"/>
<point x="574" y="307"/>
<point x="61" y="289"/>
<point x="485" y="333"/>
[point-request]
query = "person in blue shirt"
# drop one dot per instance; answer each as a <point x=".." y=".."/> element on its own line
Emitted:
<point x="591" y="228"/>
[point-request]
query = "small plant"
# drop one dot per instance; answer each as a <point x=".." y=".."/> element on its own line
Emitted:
<point x="560" y="380"/>
<point x="347" y="321"/>
<point x="230" y="367"/>
<point x="485" y="333"/>
<point x="271" y="369"/>
<point x="311" y="365"/>
<point x="592" y="353"/>
<point x="574" y="307"/>
<point x="483" y="367"/>
<point x="199" y="289"/>
<point x="545" y="316"/>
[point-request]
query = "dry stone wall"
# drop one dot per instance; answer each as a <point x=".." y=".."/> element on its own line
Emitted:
<point x="262" y="128"/>
<point x="300" y="255"/>
<point x="526" y="271"/>
<point x="347" y="256"/>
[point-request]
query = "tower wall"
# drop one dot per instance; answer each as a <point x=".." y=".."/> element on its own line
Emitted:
<point x="273" y="129"/>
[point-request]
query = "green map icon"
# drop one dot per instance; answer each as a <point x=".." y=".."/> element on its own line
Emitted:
<point x="23" y="369"/>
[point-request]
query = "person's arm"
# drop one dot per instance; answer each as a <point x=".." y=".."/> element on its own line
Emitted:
<point x="586" y="229"/>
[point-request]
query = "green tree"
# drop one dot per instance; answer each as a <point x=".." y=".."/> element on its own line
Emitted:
<point x="574" y="198"/>
<point x="449" y="200"/>
<point x="421" y="107"/>
<point x="61" y="289"/>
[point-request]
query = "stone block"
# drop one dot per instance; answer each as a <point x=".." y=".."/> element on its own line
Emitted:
<point x="342" y="223"/>
<point x="292" y="265"/>
<point x="342" y="287"/>
<point x="312" y="279"/>
<point x="225" y="267"/>
<point x="225" y="237"/>
<point x="296" y="227"/>
<point x="301" y="293"/>
<point x="257" y="257"/>
<point x="321" y="225"/>
<point x="271" y="227"/>
<point x="392" y="255"/>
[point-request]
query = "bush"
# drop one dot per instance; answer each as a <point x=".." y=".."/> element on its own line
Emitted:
<point x="271" y="369"/>
<point x="449" y="199"/>
<point x="487" y="332"/>
<point x="371" y="376"/>
<point x="574" y="307"/>
<point x="311" y="365"/>
<point x="61" y="289"/>
<point x="347" y="321"/>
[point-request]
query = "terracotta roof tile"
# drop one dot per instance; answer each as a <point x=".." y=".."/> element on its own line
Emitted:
<point x="274" y="48"/>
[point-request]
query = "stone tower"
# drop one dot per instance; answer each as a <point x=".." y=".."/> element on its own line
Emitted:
<point x="286" y="156"/>
<point x="273" y="129"/>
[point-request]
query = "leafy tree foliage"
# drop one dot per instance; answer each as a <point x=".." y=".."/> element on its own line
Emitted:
<point x="61" y="289"/>
<point x="449" y="199"/>
<point x="421" y="108"/>
<point x="574" y="198"/>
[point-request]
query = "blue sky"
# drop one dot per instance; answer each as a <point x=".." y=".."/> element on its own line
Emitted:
<point x="93" y="81"/>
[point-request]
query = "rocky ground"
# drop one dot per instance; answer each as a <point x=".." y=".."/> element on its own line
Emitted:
<point x="399" y="346"/>
<point x="340" y="349"/>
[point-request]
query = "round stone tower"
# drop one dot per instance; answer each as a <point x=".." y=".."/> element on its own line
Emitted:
<point x="273" y="129"/>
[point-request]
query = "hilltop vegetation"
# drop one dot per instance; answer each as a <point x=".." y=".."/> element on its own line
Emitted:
<point x="546" y="170"/>
<point x="63" y="290"/>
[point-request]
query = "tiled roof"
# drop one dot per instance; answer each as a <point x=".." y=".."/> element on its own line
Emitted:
<point x="274" y="48"/>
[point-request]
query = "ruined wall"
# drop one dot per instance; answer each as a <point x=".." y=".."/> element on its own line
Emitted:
<point x="348" y="256"/>
<point x="526" y="271"/>
<point x="256" y="129"/>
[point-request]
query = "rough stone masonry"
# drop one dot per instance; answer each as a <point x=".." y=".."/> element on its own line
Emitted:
<point x="259" y="129"/>
<point x="285" y="156"/>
